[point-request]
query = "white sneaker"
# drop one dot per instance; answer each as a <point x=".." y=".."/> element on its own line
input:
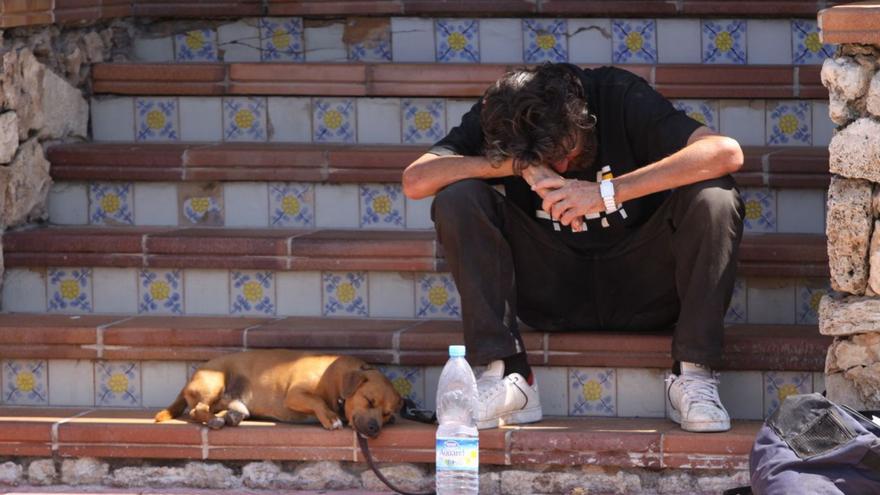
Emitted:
<point x="506" y="400"/>
<point x="692" y="401"/>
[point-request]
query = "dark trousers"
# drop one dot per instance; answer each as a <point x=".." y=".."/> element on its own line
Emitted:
<point x="675" y="270"/>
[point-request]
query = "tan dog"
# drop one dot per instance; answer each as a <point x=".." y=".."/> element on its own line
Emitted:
<point x="287" y="386"/>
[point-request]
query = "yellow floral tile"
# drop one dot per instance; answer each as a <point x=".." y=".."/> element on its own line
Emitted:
<point x="382" y="206"/>
<point x="437" y="296"/>
<point x="253" y="293"/>
<point x="70" y="290"/>
<point x="25" y="383"/>
<point x="345" y="294"/>
<point x="118" y="383"/>
<point x="592" y="392"/>
<point x="780" y="384"/>
<point x="201" y="204"/>
<point x="161" y="292"/>
<point x="408" y="381"/>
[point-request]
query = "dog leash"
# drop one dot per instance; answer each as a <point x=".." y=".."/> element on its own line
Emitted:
<point x="408" y="411"/>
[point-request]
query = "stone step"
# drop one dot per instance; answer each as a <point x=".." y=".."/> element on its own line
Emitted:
<point x="769" y="255"/>
<point x="432" y="79"/>
<point x="765" y="166"/>
<point x="405" y="342"/>
<point x="621" y="443"/>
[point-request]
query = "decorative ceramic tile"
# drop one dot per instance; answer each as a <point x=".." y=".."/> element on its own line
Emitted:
<point x="110" y="203"/>
<point x="161" y="381"/>
<point x="789" y="123"/>
<point x="156" y="119"/>
<point x="703" y="111"/>
<point x="252" y="293"/>
<point x="345" y="294"/>
<point x="72" y="382"/>
<point x="780" y="384"/>
<point x="201" y="204"/>
<point x="201" y="118"/>
<point x="760" y="209"/>
<point x="334" y="120"/>
<point x="244" y="119"/>
<point x="373" y="110"/>
<point x="160" y="292"/>
<point x="112" y="119"/>
<point x="677" y="41"/>
<point x="382" y="206"/>
<point x="291" y="119"/>
<point x="299" y="293"/>
<point x="412" y="39"/>
<point x="589" y="41"/>
<point x="634" y="41"/>
<point x="745" y="121"/>
<point x="769" y="42"/>
<point x="117" y="383"/>
<point x="737" y="312"/>
<point x="501" y="41"/>
<point x="239" y="41"/>
<point x="156" y="50"/>
<point x="324" y="41"/>
<point x="282" y="39"/>
<point x="424" y="121"/>
<point x="70" y="290"/>
<point x="553" y="389"/>
<point x="375" y="44"/>
<point x="545" y="40"/>
<point x="408" y="381"/>
<point x="155" y="203"/>
<point x="199" y="45"/>
<point x="592" y="392"/>
<point x="806" y="45"/>
<point x="291" y="204"/>
<point x="337" y="206"/>
<point x="68" y="203"/>
<point x="206" y="292"/>
<point x="246" y="204"/>
<point x="437" y="296"/>
<point x="808" y="297"/>
<point x="24" y="290"/>
<point x="115" y="290"/>
<point x="457" y="40"/>
<point x="392" y="294"/>
<point x="641" y="392"/>
<point x="801" y="211"/>
<point x="25" y="383"/>
<point x="418" y="213"/>
<point x="724" y="41"/>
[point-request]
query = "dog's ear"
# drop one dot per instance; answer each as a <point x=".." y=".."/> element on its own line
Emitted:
<point x="351" y="381"/>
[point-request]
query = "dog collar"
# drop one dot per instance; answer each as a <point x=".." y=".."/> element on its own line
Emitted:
<point x="340" y="409"/>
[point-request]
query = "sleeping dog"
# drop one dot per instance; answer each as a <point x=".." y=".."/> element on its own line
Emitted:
<point x="288" y="386"/>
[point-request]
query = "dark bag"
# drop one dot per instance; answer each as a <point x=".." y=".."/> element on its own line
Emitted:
<point x="811" y="446"/>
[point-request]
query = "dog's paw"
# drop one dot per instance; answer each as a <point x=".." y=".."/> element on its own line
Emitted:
<point x="337" y="424"/>
<point x="216" y="423"/>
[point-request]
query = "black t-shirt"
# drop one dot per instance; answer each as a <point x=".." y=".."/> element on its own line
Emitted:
<point x="635" y="126"/>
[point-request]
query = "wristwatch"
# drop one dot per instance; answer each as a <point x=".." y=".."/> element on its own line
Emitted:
<point x="606" y="190"/>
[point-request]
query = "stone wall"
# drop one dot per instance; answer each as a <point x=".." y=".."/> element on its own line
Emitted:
<point x="852" y="314"/>
<point x="270" y="477"/>
<point x="44" y="79"/>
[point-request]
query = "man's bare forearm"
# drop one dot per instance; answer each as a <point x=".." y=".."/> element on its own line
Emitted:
<point x="430" y="173"/>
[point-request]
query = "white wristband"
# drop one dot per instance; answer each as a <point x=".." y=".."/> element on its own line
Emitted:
<point x="606" y="190"/>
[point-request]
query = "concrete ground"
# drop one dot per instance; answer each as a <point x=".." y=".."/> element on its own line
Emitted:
<point x="72" y="490"/>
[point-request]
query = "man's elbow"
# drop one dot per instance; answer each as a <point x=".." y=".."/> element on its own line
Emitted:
<point x="413" y="188"/>
<point x="730" y="154"/>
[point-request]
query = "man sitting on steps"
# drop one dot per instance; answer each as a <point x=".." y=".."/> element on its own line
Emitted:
<point x="576" y="199"/>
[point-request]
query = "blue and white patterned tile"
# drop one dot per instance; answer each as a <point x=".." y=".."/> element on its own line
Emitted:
<point x="703" y="111"/>
<point x="809" y="294"/>
<point x="457" y="40"/>
<point x="244" y="119"/>
<point x="806" y="45"/>
<point x="25" y="383"/>
<point x="760" y="209"/>
<point x="382" y="206"/>
<point x="780" y="384"/>
<point x="70" y="290"/>
<point x="199" y="45"/>
<point x="437" y="296"/>
<point x="592" y="392"/>
<point x="200" y="204"/>
<point x="160" y="292"/>
<point x="424" y="121"/>
<point x="634" y="41"/>
<point x="408" y="381"/>
<point x="291" y="204"/>
<point x="545" y="40"/>
<point x="111" y="203"/>
<point x="156" y="119"/>
<point x="117" y="383"/>
<point x="345" y="294"/>
<point x="252" y="293"/>
<point x="789" y="123"/>
<point x="724" y="41"/>
<point x="334" y="120"/>
<point x="371" y="51"/>
<point x="282" y="39"/>
<point x="737" y="311"/>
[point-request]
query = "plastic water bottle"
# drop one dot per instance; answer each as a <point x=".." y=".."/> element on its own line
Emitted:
<point x="458" y="442"/>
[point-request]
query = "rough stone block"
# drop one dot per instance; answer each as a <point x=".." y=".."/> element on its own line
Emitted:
<point x="854" y="152"/>
<point x="873" y="101"/>
<point x="409" y="477"/>
<point x="10" y="473"/>
<point x="83" y="471"/>
<point x="846" y="77"/>
<point x="25" y="185"/>
<point x="858" y="350"/>
<point x="874" y="260"/>
<point x="21" y="89"/>
<point x="66" y="111"/>
<point x="858" y="387"/>
<point x="849" y="224"/>
<point x="42" y="472"/>
<point x="851" y="315"/>
<point x="8" y="136"/>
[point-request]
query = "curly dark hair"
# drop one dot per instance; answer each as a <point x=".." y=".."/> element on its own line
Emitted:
<point x="535" y="116"/>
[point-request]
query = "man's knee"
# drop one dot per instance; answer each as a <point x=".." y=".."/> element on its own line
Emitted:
<point x="462" y="198"/>
<point x="717" y="200"/>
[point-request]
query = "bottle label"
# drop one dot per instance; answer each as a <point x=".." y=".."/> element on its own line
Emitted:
<point x="458" y="454"/>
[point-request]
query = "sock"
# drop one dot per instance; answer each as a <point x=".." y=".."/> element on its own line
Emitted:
<point x="518" y="363"/>
<point x="695" y="369"/>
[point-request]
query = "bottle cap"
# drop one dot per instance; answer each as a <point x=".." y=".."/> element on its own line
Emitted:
<point x="456" y="351"/>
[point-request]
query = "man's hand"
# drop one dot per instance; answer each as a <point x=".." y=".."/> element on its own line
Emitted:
<point x="545" y="181"/>
<point x="569" y="199"/>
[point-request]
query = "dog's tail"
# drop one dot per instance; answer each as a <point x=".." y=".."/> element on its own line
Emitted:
<point x="174" y="410"/>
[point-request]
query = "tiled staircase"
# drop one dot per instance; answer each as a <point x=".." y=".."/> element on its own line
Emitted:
<point x="241" y="190"/>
